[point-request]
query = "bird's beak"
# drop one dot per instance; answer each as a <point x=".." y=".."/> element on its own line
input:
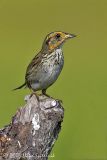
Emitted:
<point x="70" y="36"/>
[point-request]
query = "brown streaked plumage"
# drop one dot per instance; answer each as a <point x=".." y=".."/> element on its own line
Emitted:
<point x="46" y="66"/>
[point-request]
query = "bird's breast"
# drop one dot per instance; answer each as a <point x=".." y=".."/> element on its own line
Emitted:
<point x="49" y="70"/>
<point x="54" y="61"/>
<point x="53" y="66"/>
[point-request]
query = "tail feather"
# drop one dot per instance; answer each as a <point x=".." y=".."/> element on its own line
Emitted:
<point x="20" y="86"/>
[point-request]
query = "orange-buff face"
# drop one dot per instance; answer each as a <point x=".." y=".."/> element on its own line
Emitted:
<point x="56" y="39"/>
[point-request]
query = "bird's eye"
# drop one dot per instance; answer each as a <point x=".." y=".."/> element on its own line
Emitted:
<point x="57" y="36"/>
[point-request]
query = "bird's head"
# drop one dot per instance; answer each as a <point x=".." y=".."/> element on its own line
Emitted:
<point x="55" y="40"/>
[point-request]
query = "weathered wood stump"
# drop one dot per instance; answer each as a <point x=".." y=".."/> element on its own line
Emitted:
<point x="33" y="130"/>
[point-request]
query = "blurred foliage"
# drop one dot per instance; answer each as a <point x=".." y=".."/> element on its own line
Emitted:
<point x="82" y="84"/>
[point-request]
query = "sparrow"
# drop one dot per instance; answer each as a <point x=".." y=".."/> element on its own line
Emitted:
<point x="47" y="65"/>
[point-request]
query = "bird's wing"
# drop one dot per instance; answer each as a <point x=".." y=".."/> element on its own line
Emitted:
<point x="33" y="68"/>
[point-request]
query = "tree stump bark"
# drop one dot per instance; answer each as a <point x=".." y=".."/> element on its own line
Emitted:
<point x="33" y="130"/>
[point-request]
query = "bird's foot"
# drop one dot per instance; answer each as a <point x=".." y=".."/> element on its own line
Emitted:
<point x="34" y="93"/>
<point x="45" y="94"/>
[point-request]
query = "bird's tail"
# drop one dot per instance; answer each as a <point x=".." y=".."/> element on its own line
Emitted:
<point x="20" y="86"/>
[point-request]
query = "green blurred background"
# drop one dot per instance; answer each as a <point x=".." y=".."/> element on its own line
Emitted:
<point x="82" y="84"/>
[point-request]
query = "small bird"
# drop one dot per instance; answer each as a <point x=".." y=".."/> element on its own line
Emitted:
<point x="46" y="66"/>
